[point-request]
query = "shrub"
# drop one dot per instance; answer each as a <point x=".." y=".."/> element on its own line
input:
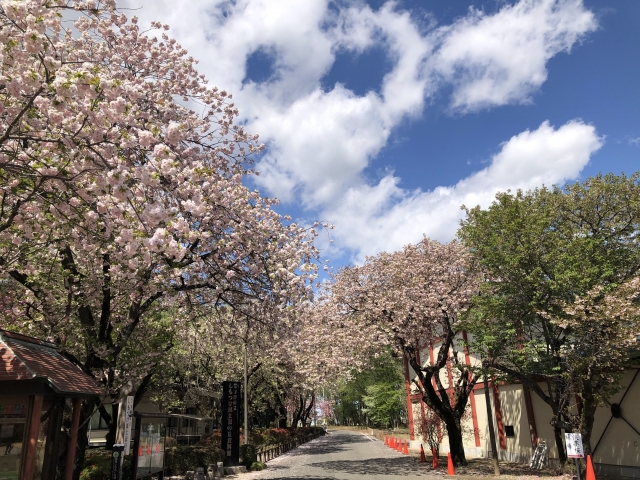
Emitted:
<point x="170" y="442"/>
<point x="248" y="455"/>
<point x="97" y="465"/>
<point x="257" y="466"/>
<point x="213" y="440"/>
<point x="179" y="460"/>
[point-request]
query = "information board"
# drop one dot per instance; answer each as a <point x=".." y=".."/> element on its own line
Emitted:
<point x="150" y="448"/>
<point x="231" y="422"/>
<point x="574" y="445"/>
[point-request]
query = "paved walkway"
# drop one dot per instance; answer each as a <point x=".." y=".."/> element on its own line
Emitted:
<point x="342" y="455"/>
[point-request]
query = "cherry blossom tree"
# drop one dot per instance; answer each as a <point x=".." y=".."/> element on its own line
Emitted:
<point x="410" y="299"/>
<point x="603" y="326"/>
<point x="122" y="195"/>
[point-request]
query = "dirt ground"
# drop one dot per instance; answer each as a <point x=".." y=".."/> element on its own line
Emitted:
<point x="483" y="467"/>
<point x="477" y="467"/>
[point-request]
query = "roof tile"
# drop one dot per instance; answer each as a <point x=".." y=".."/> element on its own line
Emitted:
<point x="25" y="358"/>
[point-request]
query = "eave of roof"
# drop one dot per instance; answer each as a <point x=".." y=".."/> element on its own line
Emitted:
<point x="27" y="358"/>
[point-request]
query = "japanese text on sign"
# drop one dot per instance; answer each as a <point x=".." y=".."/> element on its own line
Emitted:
<point x="574" y="445"/>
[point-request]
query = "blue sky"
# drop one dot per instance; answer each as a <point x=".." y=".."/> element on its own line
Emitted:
<point x="384" y="117"/>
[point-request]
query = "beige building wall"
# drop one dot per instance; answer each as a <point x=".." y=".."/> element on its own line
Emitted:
<point x="542" y="413"/>
<point x="619" y="444"/>
<point x="617" y="450"/>
<point x="514" y="414"/>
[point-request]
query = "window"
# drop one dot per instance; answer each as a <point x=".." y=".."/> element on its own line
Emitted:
<point x="97" y="422"/>
<point x="508" y="431"/>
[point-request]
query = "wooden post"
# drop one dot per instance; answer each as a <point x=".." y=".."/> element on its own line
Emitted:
<point x="136" y="446"/>
<point x="29" y="469"/>
<point x="73" y="438"/>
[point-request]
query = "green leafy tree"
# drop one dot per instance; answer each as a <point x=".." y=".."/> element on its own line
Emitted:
<point x="558" y="296"/>
<point x="373" y="396"/>
<point x="383" y="401"/>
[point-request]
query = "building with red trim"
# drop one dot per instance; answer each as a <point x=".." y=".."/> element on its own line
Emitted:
<point x="521" y="419"/>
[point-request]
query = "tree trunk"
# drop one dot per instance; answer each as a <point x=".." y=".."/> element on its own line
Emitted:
<point x="456" y="444"/>
<point x="88" y="407"/>
<point x="492" y="432"/>
<point x="562" y="454"/>
<point x="587" y="417"/>
<point x="112" y="424"/>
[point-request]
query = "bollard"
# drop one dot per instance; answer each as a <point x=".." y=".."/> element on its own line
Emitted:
<point x="450" y="469"/>
<point x="211" y="472"/>
<point x="220" y="469"/>
<point x="199" y="473"/>
<point x="591" y="475"/>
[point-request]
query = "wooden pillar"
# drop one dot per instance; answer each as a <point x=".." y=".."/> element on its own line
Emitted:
<point x="496" y="405"/>
<point x="472" y="397"/>
<point x="29" y="467"/>
<point x="409" y="403"/>
<point x="533" y="431"/>
<point x="435" y="387"/>
<point x="56" y="411"/>
<point x="73" y="438"/>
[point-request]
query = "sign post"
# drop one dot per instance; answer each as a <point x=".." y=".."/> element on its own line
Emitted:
<point x="230" y="423"/>
<point x="127" y="425"/>
<point x="116" y="462"/>
<point x="574" y="448"/>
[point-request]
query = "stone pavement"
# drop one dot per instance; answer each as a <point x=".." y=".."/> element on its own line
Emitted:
<point x="343" y="455"/>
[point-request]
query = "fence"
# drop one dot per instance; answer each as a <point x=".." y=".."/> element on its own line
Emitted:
<point x="270" y="452"/>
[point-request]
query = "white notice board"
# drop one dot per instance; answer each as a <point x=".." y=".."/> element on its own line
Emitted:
<point x="574" y="445"/>
<point x="127" y="425"/>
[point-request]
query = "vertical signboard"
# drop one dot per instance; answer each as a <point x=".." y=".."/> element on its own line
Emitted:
<point x="127" y="425"/>
<point x="230" y="422"/>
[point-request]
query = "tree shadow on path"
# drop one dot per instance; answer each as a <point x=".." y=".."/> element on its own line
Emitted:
<point x="327" y="445"/>
<point x="399" y="466"/>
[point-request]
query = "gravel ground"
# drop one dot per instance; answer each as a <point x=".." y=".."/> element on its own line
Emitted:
<point x="345" y="455"/>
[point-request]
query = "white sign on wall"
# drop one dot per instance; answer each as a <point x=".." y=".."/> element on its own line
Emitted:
<point x="574" y="445"/>
<point x="127" y="424"/>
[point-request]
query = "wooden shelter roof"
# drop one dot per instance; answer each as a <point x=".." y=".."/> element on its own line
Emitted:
<point x="27" y="358"/>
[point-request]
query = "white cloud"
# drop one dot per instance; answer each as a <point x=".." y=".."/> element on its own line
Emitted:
<point x="386" y="217"/>
<point x="320" y="142"/>
<point x="499" y="59"/>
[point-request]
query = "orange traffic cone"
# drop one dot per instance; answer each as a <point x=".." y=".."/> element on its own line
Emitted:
<point x="423" y="459"/>
<point x="450" y="470"/>
<point x="385" y="440"/>
<point x="148" y="449"/>
<point x="397" y="445"/>
<point x="590" y="473"/>
<point x="140" y="451"/>
<point x="406" y="448"/>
